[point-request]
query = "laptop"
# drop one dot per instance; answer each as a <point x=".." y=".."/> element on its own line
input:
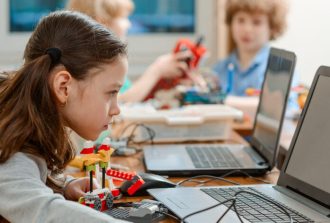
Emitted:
<point x="303" y="187"/>
<point x="216" y="159"/>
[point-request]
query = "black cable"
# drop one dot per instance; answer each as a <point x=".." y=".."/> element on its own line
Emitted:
<point x="131" y="145"/>
<point x="205" y="209"/>
<point x="130" y="138"/>
<point x="206" y="176"/>
<point x="220" y="178"/>
<point x="125" y="129"/>
<point x="266" y="199"/>
<point x="235" y="209"/>
<point x="233" y="204"/>
<point x="246" y="174"/>
<point x="169" y="215"/>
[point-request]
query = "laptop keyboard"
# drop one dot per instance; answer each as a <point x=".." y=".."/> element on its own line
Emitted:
<point x="253" y="208"/>
<point x="212" y="157"/>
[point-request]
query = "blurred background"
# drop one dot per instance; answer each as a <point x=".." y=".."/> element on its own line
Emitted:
<point x="159" y="23"/>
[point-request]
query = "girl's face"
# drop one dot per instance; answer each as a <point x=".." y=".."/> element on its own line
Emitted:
<point x="250" y="31"/>
<point x="92" y="102"/>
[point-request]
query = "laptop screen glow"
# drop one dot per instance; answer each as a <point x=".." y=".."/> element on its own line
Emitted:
<point x="310" y="159"/>
<point x="272" y="101"/>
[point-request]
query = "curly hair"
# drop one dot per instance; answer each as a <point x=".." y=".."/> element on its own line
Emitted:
<point x="276" y="10"/>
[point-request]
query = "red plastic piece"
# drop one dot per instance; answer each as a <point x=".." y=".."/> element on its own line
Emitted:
<point x="135" y="186"/>
<point x="87" y="150"/>
<point x="104" y="147"/>
<point x="197" y="51"/>
<point x="116" y="192"/>
<point x="119" y="174"/>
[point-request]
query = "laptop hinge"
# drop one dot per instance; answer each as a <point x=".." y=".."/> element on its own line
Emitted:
<point x="252" y="151"/>
<point x="301" y="199"/>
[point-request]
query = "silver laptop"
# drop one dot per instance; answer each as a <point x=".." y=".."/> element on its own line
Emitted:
<point x="195" y="159"/>
<point x="303" y="188"/>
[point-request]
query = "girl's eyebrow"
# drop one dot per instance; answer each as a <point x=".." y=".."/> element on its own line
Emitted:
<point x="116" y="85"/>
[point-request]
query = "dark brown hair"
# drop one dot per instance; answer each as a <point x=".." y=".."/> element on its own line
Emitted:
<point x="30" y="120"/>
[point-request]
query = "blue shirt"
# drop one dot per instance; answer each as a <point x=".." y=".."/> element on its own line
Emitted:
<point x="234" y="81"/>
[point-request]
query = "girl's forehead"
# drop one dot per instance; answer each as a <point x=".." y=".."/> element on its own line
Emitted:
<point x="111" y="72"/>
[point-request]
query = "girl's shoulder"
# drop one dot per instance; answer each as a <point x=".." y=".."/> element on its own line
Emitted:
<point x="20" y="163"/>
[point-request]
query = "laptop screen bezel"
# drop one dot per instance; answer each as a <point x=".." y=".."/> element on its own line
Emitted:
<point x="290" y="181"/>
<point x="260" y="148"/>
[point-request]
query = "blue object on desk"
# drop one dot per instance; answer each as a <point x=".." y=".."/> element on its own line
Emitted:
<point x="195" y="97"/>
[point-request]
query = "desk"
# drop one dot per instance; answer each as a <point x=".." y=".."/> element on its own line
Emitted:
<point x="136" y="163"/>
<point x="244" y="127"/>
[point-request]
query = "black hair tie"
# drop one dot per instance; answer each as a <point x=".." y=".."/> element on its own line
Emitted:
<point x="55" y="54"/>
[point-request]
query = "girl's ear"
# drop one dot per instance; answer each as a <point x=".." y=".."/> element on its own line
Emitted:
<point x="61" y="84"/>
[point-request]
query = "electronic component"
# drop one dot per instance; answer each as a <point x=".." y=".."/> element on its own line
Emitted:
<point x="139" y="212"/>
<point x="118" y="143"/>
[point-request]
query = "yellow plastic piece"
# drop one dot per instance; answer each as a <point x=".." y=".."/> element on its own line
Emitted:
<point x="91" y="161"/>
<point x="77" y="162"/>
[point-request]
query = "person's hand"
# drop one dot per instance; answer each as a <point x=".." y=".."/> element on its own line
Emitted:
<point x="78" y="188"/>
<point x="171" y="65"/>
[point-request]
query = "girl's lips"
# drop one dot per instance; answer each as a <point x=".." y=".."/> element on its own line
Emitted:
<point x="107" y="125"/>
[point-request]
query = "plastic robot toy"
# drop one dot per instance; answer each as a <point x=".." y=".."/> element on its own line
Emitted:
<point x="197" y="52"/>
<point x="99" y="199"/>
<point x="102" y="199"/>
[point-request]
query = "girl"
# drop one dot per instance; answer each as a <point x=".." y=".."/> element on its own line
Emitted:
<point x="114" y="15"/>
<point x="72" y="73"/>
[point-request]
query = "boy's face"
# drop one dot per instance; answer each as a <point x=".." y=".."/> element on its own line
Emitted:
<point x="250" y="31"/>
<point x="120" y="26"/>
<point x="93" y="102"/>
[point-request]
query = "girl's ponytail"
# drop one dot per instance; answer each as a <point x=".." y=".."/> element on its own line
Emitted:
<point x="28" y="100"/>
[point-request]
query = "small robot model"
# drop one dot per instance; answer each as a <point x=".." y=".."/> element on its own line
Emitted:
<point x="197" y="52"/>
<point x="102" y="199"/>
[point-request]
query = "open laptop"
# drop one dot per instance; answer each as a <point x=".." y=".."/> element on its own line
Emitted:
<point x="216" y="159"/>
<point x="303" y="187"/>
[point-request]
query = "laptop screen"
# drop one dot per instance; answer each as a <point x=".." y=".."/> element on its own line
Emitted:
<point x="309" y="160"/>
<point x="272" y="103"/>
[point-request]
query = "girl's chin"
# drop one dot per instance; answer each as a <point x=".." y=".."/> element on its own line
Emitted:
<point x="93" y="137"/>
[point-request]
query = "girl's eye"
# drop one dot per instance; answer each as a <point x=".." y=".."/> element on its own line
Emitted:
<point x="113" y="93"/>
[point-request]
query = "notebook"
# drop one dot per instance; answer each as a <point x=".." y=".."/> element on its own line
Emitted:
<point x="303" y="188"/>
<point x="216" y="159"/>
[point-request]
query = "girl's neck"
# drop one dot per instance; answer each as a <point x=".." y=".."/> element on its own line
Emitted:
<point x="245" y="58"/>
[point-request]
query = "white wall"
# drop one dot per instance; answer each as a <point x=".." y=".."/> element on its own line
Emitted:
<point x="308" y="35"/>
